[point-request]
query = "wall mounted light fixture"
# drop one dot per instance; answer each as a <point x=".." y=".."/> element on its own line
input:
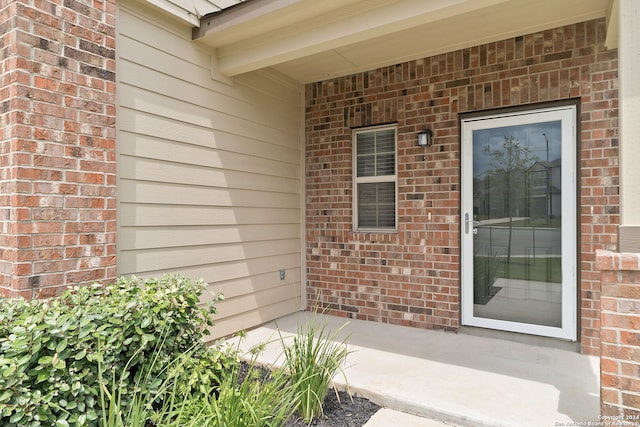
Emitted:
<point x="425" y="138"/>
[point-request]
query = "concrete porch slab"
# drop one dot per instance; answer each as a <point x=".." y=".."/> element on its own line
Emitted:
<point x="386" y="417"/>
<point x="458" y="379"/>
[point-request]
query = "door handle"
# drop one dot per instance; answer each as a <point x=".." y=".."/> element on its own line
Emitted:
<point x="466" y="223"/>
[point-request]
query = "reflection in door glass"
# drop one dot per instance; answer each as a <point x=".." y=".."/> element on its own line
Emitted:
<point x="517" y="221"/>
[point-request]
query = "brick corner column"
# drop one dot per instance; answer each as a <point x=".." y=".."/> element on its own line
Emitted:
<point x="57" y="161"/>
<point x="620" y="334"/>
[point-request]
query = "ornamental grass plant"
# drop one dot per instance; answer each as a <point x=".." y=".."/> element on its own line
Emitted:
<point x="314" y="357"/>
<point x="150" y="398"/>
<point x="247" y="396"/>
<point x="242" y="395"/>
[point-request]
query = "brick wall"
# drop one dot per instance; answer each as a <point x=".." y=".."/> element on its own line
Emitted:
<point x="620" y="335"/>
<point x="413" y="277"/>
<point x="57" y="155"/>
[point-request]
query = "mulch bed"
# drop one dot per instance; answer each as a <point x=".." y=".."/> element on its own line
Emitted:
<point x="342" y="410"/>
<point x="348" y="412"/>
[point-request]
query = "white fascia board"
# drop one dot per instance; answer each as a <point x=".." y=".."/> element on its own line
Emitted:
<point x="258" y="17"/>
<point x="182" y="12"/>
<point x="189" y="11"/>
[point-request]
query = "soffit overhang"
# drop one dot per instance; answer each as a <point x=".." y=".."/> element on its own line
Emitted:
<point x="312" y="40"/>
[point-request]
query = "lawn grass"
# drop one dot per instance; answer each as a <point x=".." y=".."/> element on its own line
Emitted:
<point x="533" y="222"/>
<point x="554" y="222"/>
<point x="539" y="269"/>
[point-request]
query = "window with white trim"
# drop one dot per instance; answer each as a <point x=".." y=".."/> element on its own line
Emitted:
<point x="375" y="178"/>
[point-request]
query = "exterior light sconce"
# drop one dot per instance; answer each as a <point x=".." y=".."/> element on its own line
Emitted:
<point x="425" y="138"/>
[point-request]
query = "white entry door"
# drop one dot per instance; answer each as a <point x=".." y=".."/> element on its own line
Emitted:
<point x="518" y="222"/>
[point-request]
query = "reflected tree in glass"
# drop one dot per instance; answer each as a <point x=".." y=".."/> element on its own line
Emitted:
<point x="510" y="162"/>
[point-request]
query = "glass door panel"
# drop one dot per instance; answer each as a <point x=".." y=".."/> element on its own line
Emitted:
<point x="518" y="232"/>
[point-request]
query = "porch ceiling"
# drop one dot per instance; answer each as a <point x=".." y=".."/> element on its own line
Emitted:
<point x="311" y="40"/>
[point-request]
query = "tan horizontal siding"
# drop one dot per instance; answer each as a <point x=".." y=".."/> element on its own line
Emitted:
<point x="254" y="317"/>
<point x="184" y="173"/>
<point x="147" y="260"/>
<point x="176" y="107"/>
<point x="216" y="274"/>
<point x="178" y="236"/>
<point x="209" y="171"/>
<point x="256" y="283"/>
<point x="170" y="194"/>
<point x="148" y="129"/>
<point x="141" y="215"/>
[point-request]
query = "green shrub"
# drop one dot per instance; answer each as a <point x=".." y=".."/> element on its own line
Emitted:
<point x="312" y="360"/>
<point x="51" y="350"/>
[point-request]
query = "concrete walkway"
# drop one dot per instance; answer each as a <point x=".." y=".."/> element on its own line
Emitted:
<point x="453" y="379"/>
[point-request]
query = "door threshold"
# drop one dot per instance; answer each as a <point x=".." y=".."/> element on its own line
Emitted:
<point x="535" y="340"/>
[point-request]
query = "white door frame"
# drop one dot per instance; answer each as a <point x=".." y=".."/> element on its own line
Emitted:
<point x="567" y="115"/>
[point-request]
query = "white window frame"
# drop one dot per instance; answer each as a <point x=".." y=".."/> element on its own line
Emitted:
<point x="374" y="179"/>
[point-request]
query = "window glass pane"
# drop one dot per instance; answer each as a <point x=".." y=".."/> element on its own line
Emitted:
<point x="366" y="198"/>
<point x="385" y="164"/>
<point x="386" y="216"/>
<point x="385" y="141"/>
<point x="366" y="165"/>
<point x="386" y="204"/>
<point x="366" y="143"/>
<point x="375" y="155"/>
<point x="376" y="205"/>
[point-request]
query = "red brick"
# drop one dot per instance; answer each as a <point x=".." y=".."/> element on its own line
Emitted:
<point x="609" y="365"/>
<point x="610" y="396"/>
<point x="415" y="255"/>
<point x="631" y="400"/>
<point x="621" y="321"/>
<point x="631" y="338"/>
<point x="48" y="292"/>
<point x="40" y="169"/>
<point x="621" y="290"/>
